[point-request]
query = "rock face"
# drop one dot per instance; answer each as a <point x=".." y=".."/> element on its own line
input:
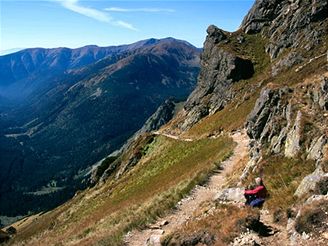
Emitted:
<point x="260" y="15"/>
<point x="219" y="70"/>
<point x="270" y="121"/>
<point x="294" y="25"/>
<point x="316" y="148"/>
<point x="162" y="116"/>
<point x="260" y="120"/>
<point x="292" y="146"/>
<point x="290" y="28"/>
<point x="319" y="95"/>
<point x="277" y="123"/>
<point x="288" y="24"/>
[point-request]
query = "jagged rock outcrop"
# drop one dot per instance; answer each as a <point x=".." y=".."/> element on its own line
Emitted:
<point x="288" y="24"/>
<point x="291" y="29"/>
<point x="277" y="124"/>
<point x="162" y="115"/>
<point x="260" y="15"/>
<point x="219" y="70"/>
<point x="275" y="120"/>
<point x="316" y="149"/>
<point x="292" y="145"/>
<point x="261" y="121"/>
<point x="319" y="93"/>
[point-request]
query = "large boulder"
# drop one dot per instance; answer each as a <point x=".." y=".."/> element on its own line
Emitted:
<point x="312" y="183"/>
<point x="231" y="195"/>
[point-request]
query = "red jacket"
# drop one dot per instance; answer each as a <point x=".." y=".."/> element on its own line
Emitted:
<point x="259" y="191"/>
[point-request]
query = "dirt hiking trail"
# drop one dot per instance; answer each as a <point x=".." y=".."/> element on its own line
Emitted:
<point x="187" y="206"/>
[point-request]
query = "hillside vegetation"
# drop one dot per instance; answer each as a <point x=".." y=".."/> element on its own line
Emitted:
<point x="267" y="82"/>
<point x="168" y="170"/>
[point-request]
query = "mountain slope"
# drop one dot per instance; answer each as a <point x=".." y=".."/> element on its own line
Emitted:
<point x="25" y="71"/>
<point x="270" y="79"/>
<point x="82" y="115"/>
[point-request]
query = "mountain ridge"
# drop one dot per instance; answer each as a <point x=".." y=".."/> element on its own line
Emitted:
<point x="72" y="119"/>
<point x="277" y="95"/>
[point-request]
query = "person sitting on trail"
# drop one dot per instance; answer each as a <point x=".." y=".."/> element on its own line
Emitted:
<point x="255" y="197"/>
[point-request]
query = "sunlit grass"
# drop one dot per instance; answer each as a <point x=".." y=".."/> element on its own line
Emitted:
<point x="167" y="172"/>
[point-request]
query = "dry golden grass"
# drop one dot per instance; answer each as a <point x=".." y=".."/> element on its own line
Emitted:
<point x="313" y="218"/>
<point x="281" y="176"/>
<point x="163" y="176"/>
<point x="219" y="226"/>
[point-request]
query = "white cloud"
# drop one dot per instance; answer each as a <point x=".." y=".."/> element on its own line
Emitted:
<point x="150" y="10"/>
<point x="74" y="6"/>
<point x="125" y="24"/>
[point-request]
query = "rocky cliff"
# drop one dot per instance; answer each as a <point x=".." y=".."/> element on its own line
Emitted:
<point x="268" y="80"/>
<point x="220" y="68"/>
<point x="292" y="32"/>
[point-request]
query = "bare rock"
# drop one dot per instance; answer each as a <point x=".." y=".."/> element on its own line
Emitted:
<point x="316" y="149"/>
<point x="261" y="120"/>
<point x="260" y="15"/>
<point x="309" y="183"/>
<point x="215" y="34"/>
<point x="292" y="146"/>
<point x="323" y="97"/>
<point x="219" y="70"/>
<point x="277" y="142"/>
<point x="285" y="24"/>
<point x="154" y="240"/>
<point x="231" y="195"/>
<point x="162" y="115"/>
<point x="286" y="62"/>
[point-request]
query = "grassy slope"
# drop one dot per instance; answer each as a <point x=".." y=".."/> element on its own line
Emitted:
<point x="169" y="169"/>
<point x="167" y="172"/>
<point x="282" y="175"/>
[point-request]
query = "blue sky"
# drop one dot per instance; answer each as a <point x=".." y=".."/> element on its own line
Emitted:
<point x="75" y="23"/>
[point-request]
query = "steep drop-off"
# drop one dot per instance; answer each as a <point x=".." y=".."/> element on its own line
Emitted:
<point x="72" y="108"/>
<point x="269" y="79"/>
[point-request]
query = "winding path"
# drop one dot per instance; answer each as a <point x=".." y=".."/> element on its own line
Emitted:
<point x="191" y="203"/>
